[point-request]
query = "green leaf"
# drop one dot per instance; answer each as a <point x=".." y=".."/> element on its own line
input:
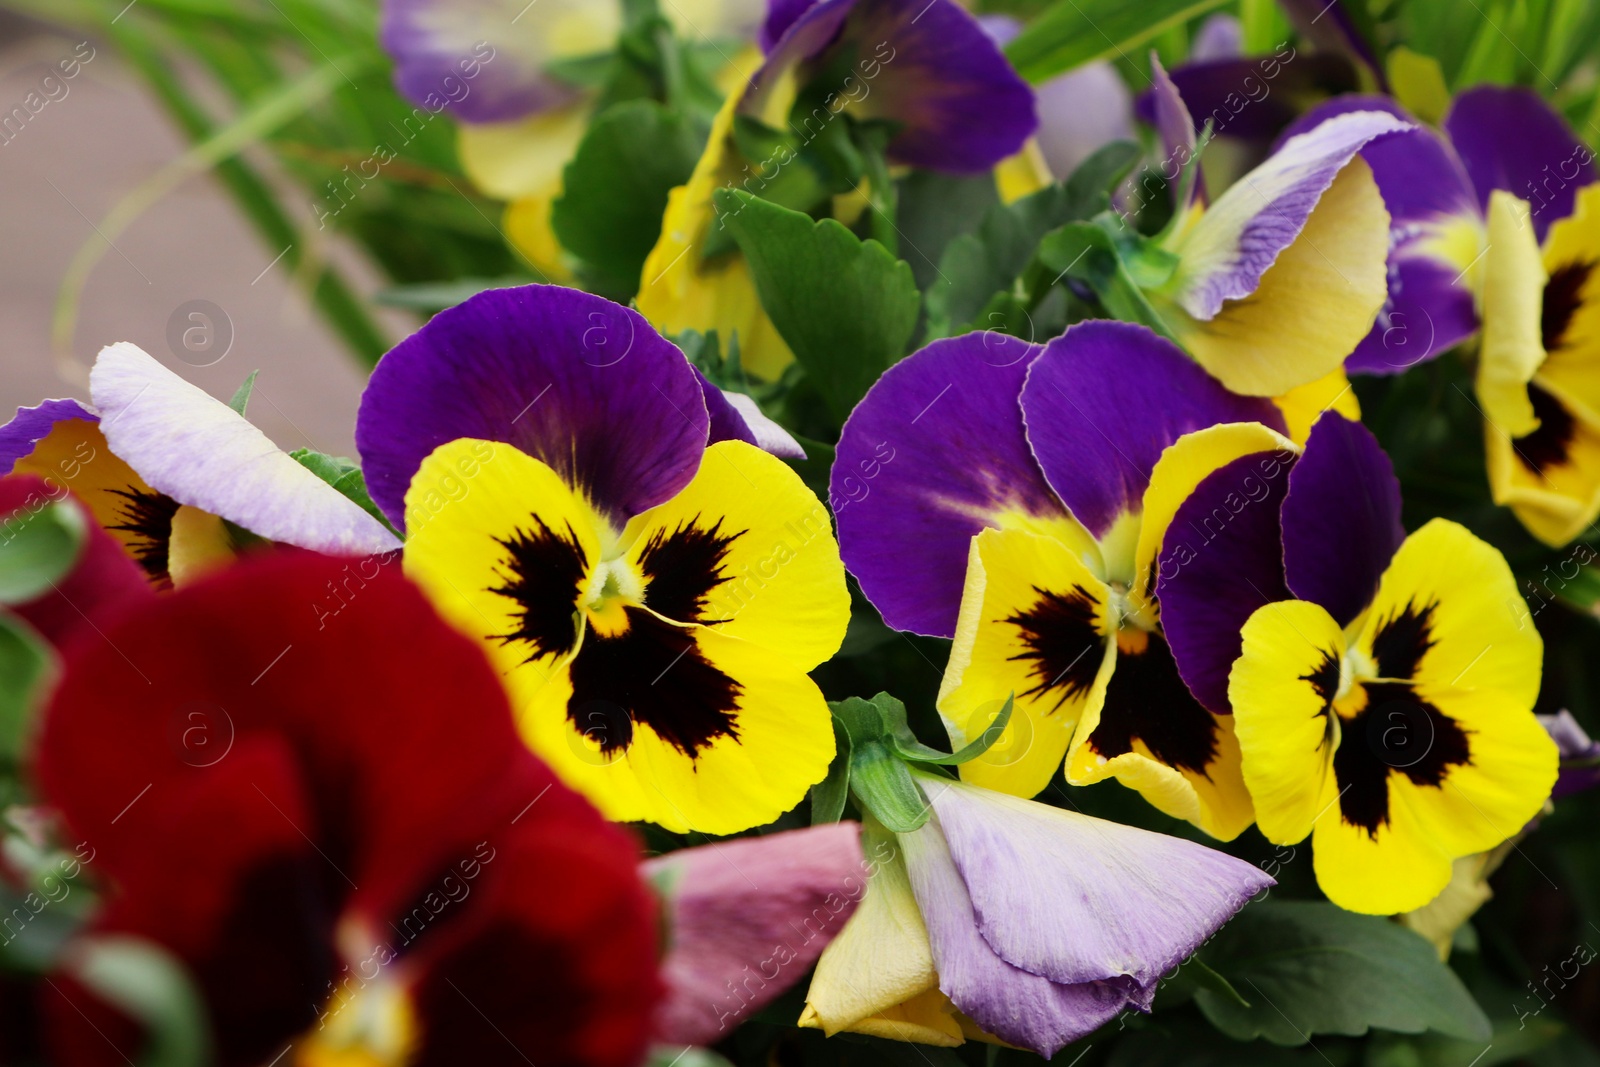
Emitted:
<point x="436" y="296"/>
<point x="26" y="664"/>
<point x="683" y="1056"/>
<point x="1088" y="253"/>
<point x="883" y="785"/>
<point x="149" y="985"/>
<point x="1073" y="32"/>
<point x="39" y="547"/>
<point x="345" y="476"/>
<point x="1310" y="968"/>
<point x="910" y="748"/>
<point x="616" y="187"/>
<point x="241" y="396"/>
<point x="828" y="796"/>
<point x="976" y="266"/>
<point x="846" y="307"/>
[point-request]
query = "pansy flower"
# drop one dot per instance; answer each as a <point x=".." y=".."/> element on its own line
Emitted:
<point x="1381" y="685"/>
<point x="925" y="67"/>
<point x="494" y="65"/>
<point x="653" y="603"/>
<point x="1010" y="496"/>
<point x="161" y="464"/>
<point x="1008" y="921"/>
<point x="1281" y="276"/>
<point x="347" y="874"/>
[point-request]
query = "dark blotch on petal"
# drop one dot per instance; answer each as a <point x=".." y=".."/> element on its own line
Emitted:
<point x="1147" y="701"/>
<point x="1396" y="733"/>
<point x="1547" y="446"/>
<point x="1402" y="640"/>
<point x="546" y="573"/>
<point x="1563" y="295"/>
<point x="653" y="673"/>
<point x="148" y="517"/>
<point x="1062" y="640"/>
<point x="683" y="567"/>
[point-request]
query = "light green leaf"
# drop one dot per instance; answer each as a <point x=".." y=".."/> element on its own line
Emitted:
<point x="1073" y="32"/>
<point x="883" y="785"/>
<point x="344" y="475"/>
<point x="910" y="748"/>
<point x="1310" y="968"/>
<point x="241" y="396"/>
<point x="151" y="986"/>
<point x="38" y="548"/>
<point x="847" y="307"/>
<point x="1088" y="253"/>
<point x="26" y="665"/>
<point x="828" y="796"/>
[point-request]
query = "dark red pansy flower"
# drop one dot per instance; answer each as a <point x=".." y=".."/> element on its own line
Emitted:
<point x="329" y="819"/>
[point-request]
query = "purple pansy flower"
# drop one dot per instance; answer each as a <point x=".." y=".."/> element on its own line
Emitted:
<point x="1007" y="920"/>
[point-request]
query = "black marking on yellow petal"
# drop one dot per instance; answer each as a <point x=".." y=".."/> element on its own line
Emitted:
<point x="543" y="576"/>
<point x="1147" y="701"/>
<point x="1325" y="680"/>
<point x="652" y="673"/>
<point x="1402" y="640"/>
<point x="1563" y="295"/>
<point x="1396" y="733"/>
<point x="1549" y="445"/>
<point x="1062" y="641"/>
<point x="148" y="517"/>
<point x="683" y="567"/>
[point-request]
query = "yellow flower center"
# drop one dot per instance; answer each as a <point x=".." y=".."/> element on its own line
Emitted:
<point x="364" y="1024"/>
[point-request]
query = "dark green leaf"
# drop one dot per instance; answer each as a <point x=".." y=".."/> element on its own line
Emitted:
<point x="1073" y="32"/>
<point x="241" y="396"/>
<point x="1088" y="253"/>
<point x="937" y="208"/>
<point x="1310" y="968"/>
<point x="883" y="785"/>
<point x="846" y="307"/>
<point x="828" y="796"/>
<point x="616" y="187"/>
<point x="25" y="665"/>
<point x="345" y="476"/>
<point x="910" y="748"/>
<point x="39" y="545"/>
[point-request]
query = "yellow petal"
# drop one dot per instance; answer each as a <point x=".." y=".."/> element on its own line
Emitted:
<point x="510" y="160"/>
<point x="1396" y="868"/>
<point x="1512" y="305"/>
<point x="74" y="454"/>
<point x="1021" y="174"/>
<point x="1314" y="304"/>
<point x="1034" y="623"/>
<point x="199" y="544"/>
<point x="527" y="222"/>
<point x="1302" y="406"/>
<point x="1440" y="918"/>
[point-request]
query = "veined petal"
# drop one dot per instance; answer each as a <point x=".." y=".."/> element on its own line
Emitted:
<point x="1511" y="139"/>
<point x="1101" y="403"/>
<point x="1019" y="1007"/>
<point x="880" y="966"/>
<point x="935" y="452"/>
<point x="1153" y="736"/>
<point x="504" y="549"/>
<point x="1512" y="303"/>
<point x="678" y="289"/>
<point x="1175" y="128"/>
<point x="572" y="379"/>
<point x="198" y="451"/>
<point x="681" y="726"/>
<point x="1312" y="305"/>
<point x="1077" y="899"/>
<point x="1282" y="690"/>
<point x="1035" y="625"/>
<point x="1222" y="559"/>
<point x="750" y="915"/>
<point x="1341" y="519"/>
<point x="1448" y="619"/>
<point x="746" y="548"/>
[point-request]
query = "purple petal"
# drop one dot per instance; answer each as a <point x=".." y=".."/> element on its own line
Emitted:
<point x="1341" y="519"/>
<point x="1254" y="97"/>
<point x="781" y="14"/>
<point x="1425" y="188"/>
<point x="583" y="384"/>
<point x="737" y="417"/>
<point x="1580" y="755"/>
<point x="934" y="453"/>
<point x="1080" y="111"/>
<point x="1023" y="1009"/>
<point x="1102" y="402"/>
<point x="199" y="451"/>
<point x="749" y="907"/>
<point x="1174" y="126"/>
<point x="1509" y="138"/>
<point x="481" y="60"/>
<point x="32" y="425"/>
<point x="924" y="64"/>
<point x="1074" y="898"/>
<point x="1222" y="558"/>
<point x="1327" y="25"/>
<point x="1220" y="37"/>
<point x="1241" y="235"/>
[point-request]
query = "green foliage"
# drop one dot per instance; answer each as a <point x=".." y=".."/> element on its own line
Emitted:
<point x="345" y="476"/>
<point x="1073" y="32"/>
<point x="26" y="666"/>
<point x="38" y="547"/>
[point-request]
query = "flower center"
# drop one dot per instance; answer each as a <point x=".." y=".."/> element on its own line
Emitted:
<point x="364" y="1024"/>
<point x="612" y="586"/>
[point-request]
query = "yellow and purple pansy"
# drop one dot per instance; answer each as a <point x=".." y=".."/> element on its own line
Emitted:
<point x="926" y="67"/>
<point x="652" y="589"/>
<point x="1381" y="685"/>
<point x="161" y="464"/>
<point x="1014" y="497"/>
